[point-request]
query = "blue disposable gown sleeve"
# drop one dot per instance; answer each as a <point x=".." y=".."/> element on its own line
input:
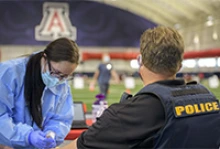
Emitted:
<point x="11" y="134"/>
<point x="62" y="118"/>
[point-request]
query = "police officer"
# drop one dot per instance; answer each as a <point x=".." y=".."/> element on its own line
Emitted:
<point x="165" y="113"/>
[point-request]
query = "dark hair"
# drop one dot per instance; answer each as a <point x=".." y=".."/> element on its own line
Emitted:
<point x="62" y="49"/>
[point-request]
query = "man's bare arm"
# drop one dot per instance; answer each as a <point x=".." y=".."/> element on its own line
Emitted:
<point x="71" y="145"/>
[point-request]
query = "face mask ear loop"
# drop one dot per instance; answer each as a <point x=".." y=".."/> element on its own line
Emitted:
<point x="45" y="58"/>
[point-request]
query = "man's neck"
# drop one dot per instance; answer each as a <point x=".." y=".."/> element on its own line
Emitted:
<point x="151" y="77"/>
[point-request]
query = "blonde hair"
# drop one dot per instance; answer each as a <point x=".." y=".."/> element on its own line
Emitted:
<point x="162" y="50"/>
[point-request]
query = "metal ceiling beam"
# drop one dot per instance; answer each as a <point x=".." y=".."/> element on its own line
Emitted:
<point x="137" y="9"/>
<point x="201" y="6"/>
<point x="175" y="4"/>
<point x="155" y="8"/>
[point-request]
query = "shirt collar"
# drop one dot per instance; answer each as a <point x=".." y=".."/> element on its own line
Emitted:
<point x="171" y="82"/>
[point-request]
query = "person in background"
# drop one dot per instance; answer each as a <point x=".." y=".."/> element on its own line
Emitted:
<point x="165" y="113"/>
<point x="36" y="107"/>
<point x="103" y="75"/>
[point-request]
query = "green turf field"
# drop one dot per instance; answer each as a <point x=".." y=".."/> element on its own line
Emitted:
<point x="115" y="92"/>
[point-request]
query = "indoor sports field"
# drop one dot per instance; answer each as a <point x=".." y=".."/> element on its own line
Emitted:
<point x="115" y="92"/>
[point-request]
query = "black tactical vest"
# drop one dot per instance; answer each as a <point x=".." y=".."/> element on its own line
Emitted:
<point x="192" y="116"/>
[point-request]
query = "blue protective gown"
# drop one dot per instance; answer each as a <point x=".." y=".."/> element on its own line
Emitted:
<point x="15" y="120"/>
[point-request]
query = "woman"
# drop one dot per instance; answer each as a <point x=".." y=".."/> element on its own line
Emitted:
<point x="35" y="101"/>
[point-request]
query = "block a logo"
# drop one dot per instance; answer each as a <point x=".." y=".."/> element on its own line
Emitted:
<point x="55" y="23"/>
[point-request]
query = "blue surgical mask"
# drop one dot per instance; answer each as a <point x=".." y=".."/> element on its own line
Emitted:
<point x="49" y="80"/>
<point x="106" y="59"/>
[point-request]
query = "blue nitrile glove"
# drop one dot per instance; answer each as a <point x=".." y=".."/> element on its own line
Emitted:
<point x="50" y="143"/>
<point x="37" y="139"/>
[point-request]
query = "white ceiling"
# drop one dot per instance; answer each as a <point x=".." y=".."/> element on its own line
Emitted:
<point x="170" y="12"/>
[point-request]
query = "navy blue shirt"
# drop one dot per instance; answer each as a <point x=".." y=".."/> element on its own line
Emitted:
<point x="104" y="73"/>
